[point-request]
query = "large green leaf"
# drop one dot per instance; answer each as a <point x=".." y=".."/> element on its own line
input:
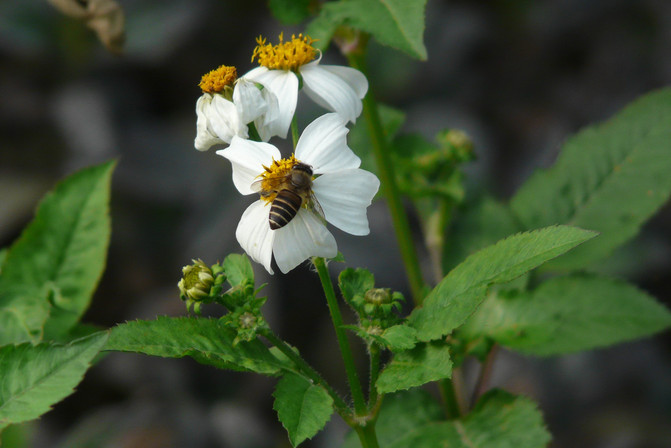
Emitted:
<point x="290" y="11"/>
<point x="499" y="420"/>
<point x="426" y="362"/>
<point x="35" y="377"/>
<point x="401" y="414"/>
<point x="610" y="178"/>
<point x="302" y="406"/>
<point x="60" y="256"/>
<point x="208" y="341"/>
<point x="568" y="314"/>
<point x="459" y="294"/>
<point x="396" y="23"/>
<point x="481" y="223"/>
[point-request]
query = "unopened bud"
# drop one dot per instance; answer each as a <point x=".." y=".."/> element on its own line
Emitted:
<point x="457" y="143"/>
<point x="196" y="282"/>
<point x="378" y="296"/>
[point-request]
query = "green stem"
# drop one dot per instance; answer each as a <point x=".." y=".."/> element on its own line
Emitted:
<point x="294" y="131"/>
<point x="374" y="373"/>
<point x="305" y="368"/>
<point x="449" y="397"/>
<point x="345" y="350"/>
<point x="389" y="187"/>
<point x="367" y="436"/>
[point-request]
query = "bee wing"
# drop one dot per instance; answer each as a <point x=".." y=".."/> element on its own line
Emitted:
<point x="313" y="204"/>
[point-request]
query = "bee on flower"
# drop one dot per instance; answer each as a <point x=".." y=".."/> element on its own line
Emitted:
<point x="228" y="104"/>
<point x="321" y="182"/>
<point x="336" y="88"/>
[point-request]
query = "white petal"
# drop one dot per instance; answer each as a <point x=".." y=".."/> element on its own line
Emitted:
<point x="205" y="137"/>
<point x="330" y="91"/>
<point x="270" y="123"/>
<point x="224" y="119"/>
<point x="248" y="158"/>
<point x="323" y="145"/>
<point x="304" y="237"/>
<point x="353" y="77"/>
<point x="344" y="197"/>
<point x="248" y="100"/>
<point x="254" y="234"/>
<point x="284" y="85"/>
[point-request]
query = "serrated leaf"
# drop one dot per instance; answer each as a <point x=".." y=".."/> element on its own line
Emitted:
<point x="206" y="340"/>
<point x="238" y="269"/>
<point x="35" y="377"/>
<point x="401" y="413"/>
<point x="610" y="178"/>
<point x="62" y="251"/>
<point x="355" y="282"/>
<point x="459" y="294"/>
<point x="569" y="314"/>
<point x="499" y="420"/>
<point x="396" y="23"/>
<point x="493" y="221"/>
<point x="302" y="406"/>
<point x="399" y="337"/>
<point x="290" y="12"/>
<point x="425" y="363"/>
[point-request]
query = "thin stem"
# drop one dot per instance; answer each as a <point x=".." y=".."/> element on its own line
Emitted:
<point x="345" y="350"/>
<point x="305" y="368"/>
<point x="447" y="393"/>
<point x="294" y="131"/>
<point x="374" y="351"/>
<point x="367" y="436"/>
<point x="390" y="189"/>
<point x="485" y="375"/>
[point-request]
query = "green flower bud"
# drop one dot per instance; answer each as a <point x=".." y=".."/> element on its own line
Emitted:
<point x="457" y="144"/>
<point x="196" y="282"/>
<point x="378" y="296"/>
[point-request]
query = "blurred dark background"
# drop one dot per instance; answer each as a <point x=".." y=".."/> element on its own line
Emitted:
<point x="519" y="77"/>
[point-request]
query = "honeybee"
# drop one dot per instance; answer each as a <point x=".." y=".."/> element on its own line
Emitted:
<point x="292" y="191"/>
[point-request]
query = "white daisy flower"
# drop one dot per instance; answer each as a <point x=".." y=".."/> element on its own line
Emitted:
<point x="336" y="88"/>
<point x="322" y="178"/>
<point x="228" y="105"/>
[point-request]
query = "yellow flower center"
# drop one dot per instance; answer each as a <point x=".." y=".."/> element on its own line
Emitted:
<point x="218" y="79"/>
<point x="275" y="176"/>
<point x="285" y="55"/>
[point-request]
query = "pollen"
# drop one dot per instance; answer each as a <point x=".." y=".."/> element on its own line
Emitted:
<point x="218" y="79"/>
<point x="285" y="55"/>
<point x="275" y="176"/>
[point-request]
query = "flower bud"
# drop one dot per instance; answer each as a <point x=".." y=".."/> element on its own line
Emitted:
<point x="196" y="282"/>
<point x="457" y="145"/>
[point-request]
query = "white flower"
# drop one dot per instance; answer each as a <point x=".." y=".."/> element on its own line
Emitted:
<point x="227" y="106"/>
<point x="336" y="88"/>
<point x="342" y="190"/>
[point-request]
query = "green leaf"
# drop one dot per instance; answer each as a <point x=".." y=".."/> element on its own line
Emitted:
<point x="290" y="12"/>
<point x="499" y="420"/>
<point x="238" y="270"/>
<point x="399" y="337"/>
<point x="459" y="294"/>
<point x="569" y="314"/>
<point x="302" y="406"/>
<point x="35" y="377"/>
<point x="60" y="255"/>
<point x="355" y="282"/>
<point x="425" y="363"/>
<point x="401" y="414"/>
<point x="493" y="221"/>
<point x="610" y="178"/>
<point x="396" y="23"/>
<point x="208" y="341"/>
<point x="3" y="255"/>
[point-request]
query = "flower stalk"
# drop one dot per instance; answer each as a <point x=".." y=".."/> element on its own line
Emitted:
<point x="389" y="187"/>
<point x="345" y="349"/>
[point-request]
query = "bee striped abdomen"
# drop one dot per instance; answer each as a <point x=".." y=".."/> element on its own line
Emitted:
<point x="284" y="208"/>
